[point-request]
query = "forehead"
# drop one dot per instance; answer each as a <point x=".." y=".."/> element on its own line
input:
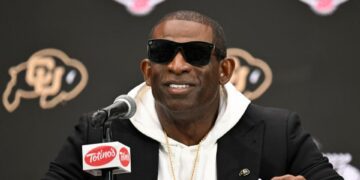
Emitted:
<point x="183" y="31"/>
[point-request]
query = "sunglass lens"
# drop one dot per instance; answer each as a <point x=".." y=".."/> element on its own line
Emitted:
<point x="160" y="51"/>
<point x="163" y="51"/>
<point x="198" y="53"/>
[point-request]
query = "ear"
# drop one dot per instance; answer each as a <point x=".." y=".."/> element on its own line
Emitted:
<point x="226" y="69"/>
<point x="145" y="67"/>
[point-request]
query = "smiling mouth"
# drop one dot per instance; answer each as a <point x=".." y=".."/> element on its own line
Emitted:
<point x="179" y="86"/>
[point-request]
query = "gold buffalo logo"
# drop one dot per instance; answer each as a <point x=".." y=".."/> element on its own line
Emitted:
<point x="251" y="76"/>
<point x="48" y="74"/>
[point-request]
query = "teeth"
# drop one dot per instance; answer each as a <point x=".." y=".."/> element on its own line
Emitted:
<point x="179" y="86"/>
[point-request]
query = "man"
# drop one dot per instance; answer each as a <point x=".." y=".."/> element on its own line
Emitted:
<point x="192" y="124"/>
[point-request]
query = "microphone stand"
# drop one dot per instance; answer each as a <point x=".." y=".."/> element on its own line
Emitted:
<point x="101" y="117"/>
<point x="107" y="174"/>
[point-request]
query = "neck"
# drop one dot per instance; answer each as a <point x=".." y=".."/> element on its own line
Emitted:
<point x="188" y="127"/>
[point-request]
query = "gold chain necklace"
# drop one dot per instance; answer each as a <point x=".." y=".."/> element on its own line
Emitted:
<point x="170" y="159"/>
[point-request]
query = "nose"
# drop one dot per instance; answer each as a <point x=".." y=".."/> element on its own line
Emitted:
<point x="178" y="65"/>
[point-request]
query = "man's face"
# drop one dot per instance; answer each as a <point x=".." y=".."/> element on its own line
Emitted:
<point x="179" y="86"/>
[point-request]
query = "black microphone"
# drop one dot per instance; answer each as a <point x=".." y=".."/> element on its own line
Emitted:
<point x="124" y="107"/>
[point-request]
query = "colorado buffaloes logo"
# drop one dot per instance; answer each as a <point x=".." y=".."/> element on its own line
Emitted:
<point x="251" y="76"/>
<point x="341" y="163"/>
<point x="139" y="7"/>
<point x="323" y="7"/>
<point x="48" y="74"/>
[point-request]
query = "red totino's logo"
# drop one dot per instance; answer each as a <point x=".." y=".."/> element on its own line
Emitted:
<point x="100" y="155"/>
<point x="124" y="156"/>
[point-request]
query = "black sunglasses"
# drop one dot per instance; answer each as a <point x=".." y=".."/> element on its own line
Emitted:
<point x="197" y="53"/>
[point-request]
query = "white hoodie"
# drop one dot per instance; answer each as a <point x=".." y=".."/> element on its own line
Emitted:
<point x="232" y="106"/>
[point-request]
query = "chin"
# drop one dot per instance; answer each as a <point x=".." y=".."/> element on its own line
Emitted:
<point x="179" y="107"/>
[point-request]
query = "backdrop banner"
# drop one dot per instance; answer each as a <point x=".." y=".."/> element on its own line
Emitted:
<point x="61" y="59"/>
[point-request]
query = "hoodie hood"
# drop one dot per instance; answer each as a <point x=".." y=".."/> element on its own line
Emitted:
<point x="232" y="106"/>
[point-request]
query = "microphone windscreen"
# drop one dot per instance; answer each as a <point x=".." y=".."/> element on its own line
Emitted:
<point x="131" y="104"/>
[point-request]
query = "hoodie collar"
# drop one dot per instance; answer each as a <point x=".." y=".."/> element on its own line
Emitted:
<point x="232" y="107"/>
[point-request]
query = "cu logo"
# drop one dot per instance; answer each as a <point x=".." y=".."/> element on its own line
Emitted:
<point x="49" y="75"/>
<point x="251" y="76"/>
